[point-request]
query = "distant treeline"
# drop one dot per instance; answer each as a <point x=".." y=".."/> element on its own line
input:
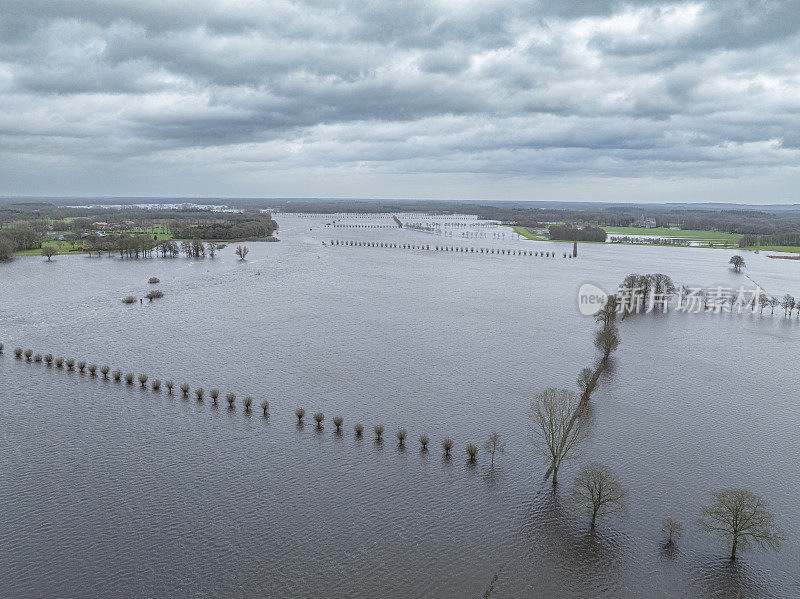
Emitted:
<point x="570" y="233"/>
<point x="792" y="239"/>
<point x="129" y="230"/>
<point x="232" y="226"/>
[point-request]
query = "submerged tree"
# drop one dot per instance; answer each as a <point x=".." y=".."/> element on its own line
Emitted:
<point x="424" y="440"/>
<point x="48" y="252"/>
<point x="378" y="428"/>
<point x="738" y="262"/>
<point x="299" y="412"/>
<point x="607" y="340"/>
<point x="265" y="407"/>
<point x="447" y="445"/>
<point x="494" y="445"/>
<point x="337" y="421"/>
<point x="472" y="451"/>
<point x="787" y="304"/>
<point x="598" y="491"/>
<point x="608" y="313"/>
<point x="242" y="251"/>
<point x="742" y="519"/>
<point x="556" y="426"/>
<point x="672" y="530"/>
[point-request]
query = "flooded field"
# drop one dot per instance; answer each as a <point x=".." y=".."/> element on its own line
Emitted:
<point x="114" y="490"/>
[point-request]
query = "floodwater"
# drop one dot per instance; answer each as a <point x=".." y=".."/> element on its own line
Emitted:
<point x="116" y="491"/>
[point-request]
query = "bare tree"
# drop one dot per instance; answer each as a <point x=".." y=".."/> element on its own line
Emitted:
<point x="212" y="248"/>
<point x="608" y="313"/>
<point x="787" y="304"/>
<point x="741" y="518"/>
<point x="773" y="303"/>
<point x="662" y="288"/>
<point x="242" y="251"/>
<point x="494" y="445"/>
<point x="598" y="490"/>
<point x="607" y="340"/>
<point x="738" y="262"/>
<point x="557" y="430"/>
<point x="671" y="529"/>
<point x="763" y="300"/>
<point x="586" y="382"/>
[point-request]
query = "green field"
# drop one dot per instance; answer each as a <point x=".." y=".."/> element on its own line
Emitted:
<point x="776" y="248"/>
<point x="523" y="232"/>
<point x="66" y="247"/>
<point x="690" y="234"/>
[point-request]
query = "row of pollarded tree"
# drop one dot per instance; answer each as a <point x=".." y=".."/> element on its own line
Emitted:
<point x="493" y="444"/>
<point x="130" y="378"/>
<point x="448" y="248"/>
<point x="339" y="226"/>
<point x="560" y="423"/>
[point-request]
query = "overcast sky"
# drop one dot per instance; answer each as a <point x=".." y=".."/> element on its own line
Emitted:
<point x="560" y="100"/>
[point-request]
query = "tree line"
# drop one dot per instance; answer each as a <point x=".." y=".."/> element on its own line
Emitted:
<point x="572" y="233"/>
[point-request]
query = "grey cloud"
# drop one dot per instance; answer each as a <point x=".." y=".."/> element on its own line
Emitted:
<point x="604" y="89"/>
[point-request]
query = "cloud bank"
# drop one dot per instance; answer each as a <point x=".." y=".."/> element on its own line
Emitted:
<point x="432" y="98"/>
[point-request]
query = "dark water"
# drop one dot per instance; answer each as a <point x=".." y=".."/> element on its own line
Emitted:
<point x="111" y="490"/>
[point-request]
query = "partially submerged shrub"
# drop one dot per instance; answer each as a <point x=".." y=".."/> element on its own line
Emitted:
<point x="424" y="440"/>
<point x="156" y="384"/>
<point x="248" y="401"/>
<point x="378" y="431"/>
<point x="1" y="348"/>
<point x="185" y="389"/>
<point x="17" y="352"/>
<point x="199" y="393"/>
<point x="59" y="362"/>
<point x="265" y="407"/>
<point x="48" y="358"/>
<point x="37" y="357"/>
<point x="153" y="280"/>
<point x="129" y="300"/>
<point x="299" y="412"/>
<point x="117" y="375"/>
<point x="28" y="354"/>
<point x="472" y="451"/>
<point x="230" y="398"/>
<point x="70" y="363"/>
<point x="318" y="418"/>
<point x="169" y="385"/>
<point x="129" y="378"/>
<point x="104" y="370"/>
<point x="214" y="393"/>
<point x="154" y="295"/>
<point x="359" y="428"/>
<point x="93" y="369"/>
<point x="447" y="444"/>
<point x="401" y="436"/>
<point x="337" y="421"/>
<point x="82" y="366"/>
